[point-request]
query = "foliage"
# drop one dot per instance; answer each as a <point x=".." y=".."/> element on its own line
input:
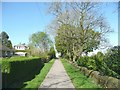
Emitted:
<point x="4" y="39"/>
<point x="21" y="50"/>
<point x="79" y="27"/>
<point x="100" y="62"/>
<point x="112" y="59"/>
<point x="40" y="40"/>
<point x="51" y="53"/>
<point x="72" y="41"/>
<point x="45" y="57"/>
<point x="35" y="83"/>
<point x="78" y="79"/>
<point x="32" y="51"/>
<point x="16" y="70"/>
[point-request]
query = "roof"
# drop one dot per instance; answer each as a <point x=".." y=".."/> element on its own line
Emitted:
<point x="21" y="45"/>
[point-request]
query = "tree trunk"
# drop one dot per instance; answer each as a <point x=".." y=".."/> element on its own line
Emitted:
<point x="74" y="58"/>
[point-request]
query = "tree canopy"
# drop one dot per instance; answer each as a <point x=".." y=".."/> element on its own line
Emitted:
<point x="4" y="40"/>
<point x="40" y="40"/>
<point x="81" y="27"/>
<point x="71" y="41"/>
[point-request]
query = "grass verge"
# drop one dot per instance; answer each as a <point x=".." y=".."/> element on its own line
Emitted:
<point x="36" y="82"/>
<point x="78" y="79"/>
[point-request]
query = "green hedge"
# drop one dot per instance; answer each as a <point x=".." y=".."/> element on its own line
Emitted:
<point x="20" y="50"/>
<point x="36" y="82"/>
<point x="16" y="71"/>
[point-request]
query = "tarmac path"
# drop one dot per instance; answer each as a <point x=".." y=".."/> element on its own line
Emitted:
<point x="57" y="77"/>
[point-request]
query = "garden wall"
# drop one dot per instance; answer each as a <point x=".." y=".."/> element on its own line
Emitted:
<point x="104" y="81"/>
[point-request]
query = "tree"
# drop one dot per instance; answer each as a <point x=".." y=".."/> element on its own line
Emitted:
<point x="81" y="29"/>
<point x="112" y="58"/>
<point x="70" y="41"/>
<point x="51" y="53"/>
<point x="40" y="40"/>
<point x="4" y="39"/>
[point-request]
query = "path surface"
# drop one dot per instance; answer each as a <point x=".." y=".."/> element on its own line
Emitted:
<point x="57" y="77"/>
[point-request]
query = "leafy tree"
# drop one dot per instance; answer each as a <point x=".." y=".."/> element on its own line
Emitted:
<point x="4" y="39"/>
<point x="40" y="40"/>
<point x="81" y="27"/>
<point x="71" y="41"/>
<point x="112" y="59"/>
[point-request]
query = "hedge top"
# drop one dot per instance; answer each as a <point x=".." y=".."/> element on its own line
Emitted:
<point x="19" y="58"/>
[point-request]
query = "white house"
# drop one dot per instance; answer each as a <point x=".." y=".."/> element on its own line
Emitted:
<point x="21" y="49"/>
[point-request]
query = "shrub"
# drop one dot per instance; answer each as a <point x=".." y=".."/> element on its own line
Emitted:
<point x="51" y="53"/>
<point x="82" y="61"/>
<point x="20" y="50"/>
<point x="107" y="64"/>
<point x="87" y="62"/>
<point x="20" y="70"/>
<point x="45" y="57"/>
<point x="112" y="59"/>
<point x="91" y="64"/>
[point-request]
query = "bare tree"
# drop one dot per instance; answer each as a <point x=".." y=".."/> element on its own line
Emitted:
<point x="84" y="16"/>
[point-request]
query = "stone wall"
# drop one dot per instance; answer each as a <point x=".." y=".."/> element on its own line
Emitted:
<point x="104" y="81"/>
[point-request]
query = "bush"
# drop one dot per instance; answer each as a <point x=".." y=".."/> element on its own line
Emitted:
<point x="51" y="53"/>
<point x="19" y="70"/>
<point x="91" y="64"/>
<point x="20" y="50"/>
<point x="82" y="61"/>
<point x="88" y="62"/>
<point x="112" y="59"/>
<point x="45" y="57"/>
<point x="107" y="64"/>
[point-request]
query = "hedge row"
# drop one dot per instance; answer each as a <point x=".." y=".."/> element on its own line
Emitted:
<point x="20" y="50"/>
<point x="17" y="71"/>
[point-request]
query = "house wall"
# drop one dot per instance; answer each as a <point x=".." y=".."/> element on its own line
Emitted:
<point x="20" y="47"/>
<point x="20" y="53"/>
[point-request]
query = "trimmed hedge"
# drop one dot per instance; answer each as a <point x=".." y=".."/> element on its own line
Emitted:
<point x="20" y="50"/>
<point x="35" y="83"/>
<point x="16" y="71"/>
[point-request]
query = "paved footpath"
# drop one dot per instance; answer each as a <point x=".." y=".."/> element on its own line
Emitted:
<point x="57" y="77"/>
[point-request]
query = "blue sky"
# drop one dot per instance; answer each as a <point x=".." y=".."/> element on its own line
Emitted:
<point x="20" y="20"/>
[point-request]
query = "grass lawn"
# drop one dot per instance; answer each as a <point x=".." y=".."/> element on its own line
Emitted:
<point x="36" y="82"/>
<point x="78" y="79"/>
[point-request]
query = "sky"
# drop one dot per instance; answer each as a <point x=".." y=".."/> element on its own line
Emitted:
<point x="21" y="19"/>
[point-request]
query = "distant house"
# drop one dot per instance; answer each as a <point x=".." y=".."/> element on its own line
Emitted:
<point x="5" y="51"/>
<point x="20" y="49"/>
